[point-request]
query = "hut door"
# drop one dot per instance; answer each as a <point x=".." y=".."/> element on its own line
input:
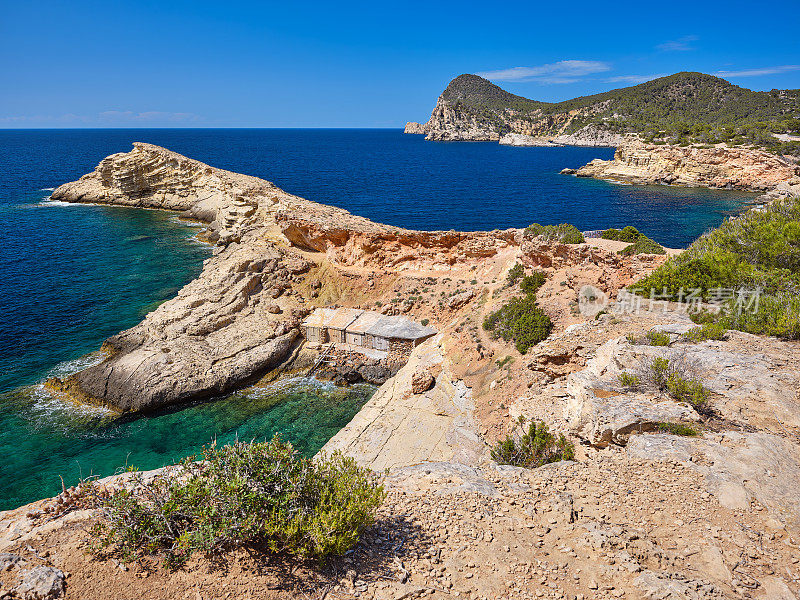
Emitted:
<point x="380" y="343"/>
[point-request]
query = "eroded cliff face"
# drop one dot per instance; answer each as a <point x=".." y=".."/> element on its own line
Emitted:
<point x="716" y="167"/>
<point x="454" y="122"/>
<point x="240" y="317"/>
<point x="415" y="128"/>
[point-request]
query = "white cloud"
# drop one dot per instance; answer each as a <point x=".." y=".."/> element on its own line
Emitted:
<point x="634" y="78"/>
<point x="758" y="72"/>
<point x="564" y="71"/>
<point x="680" y="45"/>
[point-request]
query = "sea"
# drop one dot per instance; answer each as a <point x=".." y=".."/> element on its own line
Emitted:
<point x="72" y="275"/>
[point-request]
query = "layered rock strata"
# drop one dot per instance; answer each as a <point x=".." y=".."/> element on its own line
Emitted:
<point x="715" y="167"/>
<point x="240" y="317"/>
<point x="415" y="128"/>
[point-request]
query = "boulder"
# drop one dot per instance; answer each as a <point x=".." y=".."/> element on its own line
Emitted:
<point x="41" y="583"/>
<point x="421" y="382"/>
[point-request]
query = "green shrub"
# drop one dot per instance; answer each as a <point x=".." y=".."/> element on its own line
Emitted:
<point x="657" y="338"/>
<point x="258" y="495"/>
<point x="514" y="273"/>
<point x="660" y="372"/>
<point x="643" y="245"/>
<point x="777" y="315"/>
<point x="708" y="331"/>
<point x="756" y="250"/>
<point x="626" y="234"/>
<point x="690" y="391"/>
<point x="677" y="429"/>
<point x="533" y="447"/>
<point x="629" y="380"/>
<point x="503" y="362"/>
<point x="424" y="322"/>
<point x="701" y="317"/>
<point x="564" y="233"/>
<point x="532" y="282"/>
<point x="521" y="321"/>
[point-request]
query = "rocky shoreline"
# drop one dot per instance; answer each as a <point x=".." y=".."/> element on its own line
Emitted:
<point x="713" y="167"/>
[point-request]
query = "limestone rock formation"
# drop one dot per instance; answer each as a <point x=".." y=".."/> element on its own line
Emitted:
<point x="42" y="583"/>
<point x="422" y="381"/>
<point x="449" y="123"/>
<point x="715" y="167"/>
<point x="240" y="317"/>
<point x="591" y="136"/>
<point x="415" y="128"/>
<point x="402" y="424"/>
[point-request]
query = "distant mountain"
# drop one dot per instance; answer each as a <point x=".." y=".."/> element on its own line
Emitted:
<point x="678" y="109"/>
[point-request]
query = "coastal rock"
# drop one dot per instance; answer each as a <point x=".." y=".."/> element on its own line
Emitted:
<point x="450" y="123"/>
<point x="240" y="317"/>
<point x="398" y="427"/>
<point x="714" y="167"/>
<point x="41" y="583"/>
<point x="415" y="128"/>
<point x="603" y="415"/>
<point x="590" y="136"/>
<point x="421" y="382"/>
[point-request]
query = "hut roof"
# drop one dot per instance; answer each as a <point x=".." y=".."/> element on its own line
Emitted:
<point x="399" y="328"/>
<point x="365" y="320"/>
<point x="319" y="318"/>
<point x="342" y="317"/>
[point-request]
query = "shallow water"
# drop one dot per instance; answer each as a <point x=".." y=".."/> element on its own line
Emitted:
<point x="45" y="439"/>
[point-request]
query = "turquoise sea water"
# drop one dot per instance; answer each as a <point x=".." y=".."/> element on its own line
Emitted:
<point x="70" y="276"/>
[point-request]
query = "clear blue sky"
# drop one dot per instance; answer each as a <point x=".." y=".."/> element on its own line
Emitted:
<point x="194" y="63"/>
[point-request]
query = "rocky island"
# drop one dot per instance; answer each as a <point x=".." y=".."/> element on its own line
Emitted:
<point x="667" y="494"/>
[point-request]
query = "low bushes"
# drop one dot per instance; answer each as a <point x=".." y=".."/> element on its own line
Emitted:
<point x="520" y="321"/>
<point x="639" y="243"/>
<point x="707" y="331"/>
<point x="532" y="447"/>
<point x="626" y="234"/>
<point x="675" y="377"/>
<point x="564" y="233"/>
<point x="644" y="245"/>
<point x="756" y="250"/>
<point x="531" y="283"/>
<point x="678" y="429"/>
<point x="514" y="273"/>
<point x="651" y="338"/>
<point x="259" y="495"/>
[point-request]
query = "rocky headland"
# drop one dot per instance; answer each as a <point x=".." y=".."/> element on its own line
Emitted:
<point x="720" y="156"/>
<point x="714" y="167"/>
<point x="640" y="513"/>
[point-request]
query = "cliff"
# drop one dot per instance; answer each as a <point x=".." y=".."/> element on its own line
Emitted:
<point x="240" y="318"/>
<point x="715" y="167"/>
<point x="415" y="128"/>
<point x="677" y="109"/>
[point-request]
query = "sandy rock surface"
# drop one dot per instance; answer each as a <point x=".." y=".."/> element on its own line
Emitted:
<point x="717" y="167"/>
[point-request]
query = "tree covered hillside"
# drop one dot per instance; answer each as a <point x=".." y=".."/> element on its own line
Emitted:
<point x="679" y="109"/>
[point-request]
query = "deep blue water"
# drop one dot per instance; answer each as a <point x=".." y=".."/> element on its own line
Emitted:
<point x="73" y="275"/>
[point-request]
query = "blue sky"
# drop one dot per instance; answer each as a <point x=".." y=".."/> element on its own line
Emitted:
<point x="376" y="64"/>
